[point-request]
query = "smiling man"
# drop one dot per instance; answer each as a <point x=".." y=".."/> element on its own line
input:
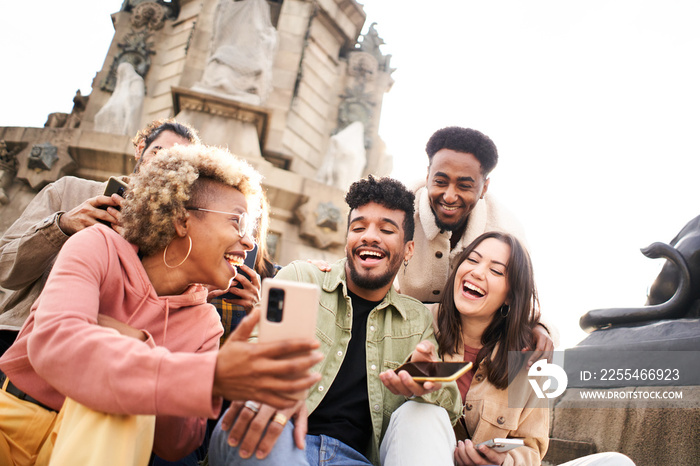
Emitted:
<point x="366" y="329"/>
<point x="452" y="209"/>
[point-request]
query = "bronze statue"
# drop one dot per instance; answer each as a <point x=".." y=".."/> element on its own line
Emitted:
<point x="674" y="294"/>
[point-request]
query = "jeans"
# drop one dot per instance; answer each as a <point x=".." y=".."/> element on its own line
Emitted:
<point x="403" y="445"/>
<point x="320" y="450"/>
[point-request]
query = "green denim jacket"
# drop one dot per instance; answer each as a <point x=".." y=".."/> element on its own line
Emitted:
<point x="394" y="328"/>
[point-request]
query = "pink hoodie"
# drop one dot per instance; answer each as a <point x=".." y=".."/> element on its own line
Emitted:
<point x="61" y="351"/>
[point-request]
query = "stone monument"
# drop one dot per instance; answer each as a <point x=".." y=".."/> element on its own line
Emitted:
<point x="277" y="89"/>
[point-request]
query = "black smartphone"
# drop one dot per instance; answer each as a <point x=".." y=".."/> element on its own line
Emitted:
<point x="114" y="186"/>
<point x="250" y="257"/>
<point x="430" y="371"/>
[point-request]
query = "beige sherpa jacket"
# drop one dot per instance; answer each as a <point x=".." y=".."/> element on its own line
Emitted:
<point x="426" y="274"/>
<point x="29" y="247"/>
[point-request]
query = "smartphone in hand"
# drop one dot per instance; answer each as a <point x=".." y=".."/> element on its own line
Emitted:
<point x="501" y="445"/>
<point x="435" y="371"/>
<point x="288" y="311"/>
<point x="114" y="186"/>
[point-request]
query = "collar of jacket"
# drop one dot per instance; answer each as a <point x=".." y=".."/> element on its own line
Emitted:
<point x="336" y="277"/>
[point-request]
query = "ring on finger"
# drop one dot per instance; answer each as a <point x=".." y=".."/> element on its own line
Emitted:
<point x="253" y="406"/>
<point x="280" y="419"/>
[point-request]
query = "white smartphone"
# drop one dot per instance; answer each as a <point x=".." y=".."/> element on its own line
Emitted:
<point x="502" y="444"/>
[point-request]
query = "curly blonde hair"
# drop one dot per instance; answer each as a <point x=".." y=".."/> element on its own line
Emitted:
<point x="159" y="193"/>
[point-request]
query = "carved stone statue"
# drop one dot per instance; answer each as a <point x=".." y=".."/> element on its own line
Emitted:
<point x="72" y="120"/>
<point x="370" y="44"/>
<point x="244" y="45"/>
<point x="135" y="48"/>
<point x="345" y="159"/>
<point x="674" y="294"/>
<point x="122" y="112"/>
<point x="8" y="170"/>
<point x="76" y="115"/>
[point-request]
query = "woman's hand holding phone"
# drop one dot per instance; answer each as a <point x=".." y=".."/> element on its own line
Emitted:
<point x="466" y="454"/>
<point x="425" y="351"/>
<point x="403" y="384"/>
<point x="244" y="291"/>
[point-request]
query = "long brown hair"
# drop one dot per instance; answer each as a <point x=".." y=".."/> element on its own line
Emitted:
<point x="512" y="332"/>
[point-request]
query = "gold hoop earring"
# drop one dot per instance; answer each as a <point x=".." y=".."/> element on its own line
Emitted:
<point x="165" y="251"/>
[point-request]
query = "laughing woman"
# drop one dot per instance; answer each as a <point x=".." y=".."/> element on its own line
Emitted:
<point x="119" y="356"/>
<point x="487" y="315"/>
<point x="489" y="310"/>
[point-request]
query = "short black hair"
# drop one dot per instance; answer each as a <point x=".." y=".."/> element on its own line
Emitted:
<point x="386" y="192"/>
<point x="469" y="141"/>
<point x="173" y="126"/>
<point x="155" y="128"/>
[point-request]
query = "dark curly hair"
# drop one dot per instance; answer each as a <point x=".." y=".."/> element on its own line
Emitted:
<point x="386" y="192"/>
<point x="469" y="141"/>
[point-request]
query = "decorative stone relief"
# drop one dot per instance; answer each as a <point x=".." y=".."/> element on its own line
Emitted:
<point x="321" y="223"/>
<point x="8" y="170"/>
<point x="42" y="157"/>
<point x="363" y="66"/>
<point x="122" y="112"/>
<point x="152" y="12"/>
<point x="328" y="216"/>
<point x="356" y="106"/>
<point x="136" y="50"/>
<point x="148" y="14"/>
<point x="345" y="159"/>
<point x="367" y="78"/>
<point x="243" y="48"/>
<point x="45" y="162"/>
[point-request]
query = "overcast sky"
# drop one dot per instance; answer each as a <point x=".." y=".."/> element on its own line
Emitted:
<point x="594" y="106"/>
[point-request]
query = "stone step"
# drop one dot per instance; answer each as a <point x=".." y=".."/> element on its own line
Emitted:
<point x="561" y="451"/>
